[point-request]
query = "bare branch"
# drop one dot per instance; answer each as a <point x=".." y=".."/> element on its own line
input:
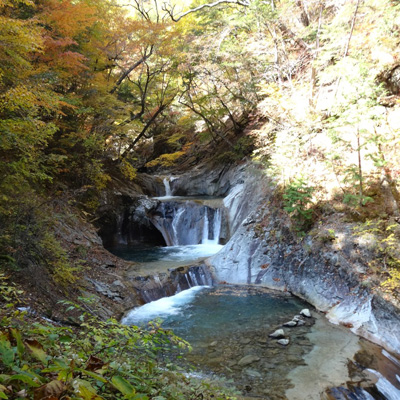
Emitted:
<point x="144" y="130"/>
<point x="170" y="10"/>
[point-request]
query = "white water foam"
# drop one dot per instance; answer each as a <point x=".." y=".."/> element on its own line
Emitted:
<point x="163" y="307"/>
<point x="204" y="239"/>
<point x="167" y="186"/>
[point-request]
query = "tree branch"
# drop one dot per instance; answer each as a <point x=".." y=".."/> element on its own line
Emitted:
<point x="130" y="69"/>
<point x="170" y="11"/>
<point x="144" y="130"/>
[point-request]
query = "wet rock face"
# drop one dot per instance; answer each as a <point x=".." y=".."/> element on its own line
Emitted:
<point x="125" y="221"/>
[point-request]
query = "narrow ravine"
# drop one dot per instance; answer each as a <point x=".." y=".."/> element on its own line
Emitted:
<point x="229" y="325"/>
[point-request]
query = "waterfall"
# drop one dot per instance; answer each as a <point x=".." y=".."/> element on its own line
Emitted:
<point x="167" y="187"/>
<point x="187" y="223"/>
<point x="175" y="226"/>
<point x="120" y="237"/>
<point x="217" y="225"/>
<point x="204" y="239"/>
<point x="217" y="221"/>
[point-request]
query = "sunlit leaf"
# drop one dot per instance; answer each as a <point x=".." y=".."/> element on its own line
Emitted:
<point x="123" y="385"/>
<point x="26" y="379"/>
<point x="37" y="350"/>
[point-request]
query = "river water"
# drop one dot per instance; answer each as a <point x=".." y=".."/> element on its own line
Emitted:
<point x="228" y="327"/>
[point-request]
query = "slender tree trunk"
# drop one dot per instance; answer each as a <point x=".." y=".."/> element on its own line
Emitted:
<point x="346" y="50"/>
<point x="313" y="69"/>
<point x="144" y="130"/>
<point x="360" y="173"/>
<point x="272" y="32"/>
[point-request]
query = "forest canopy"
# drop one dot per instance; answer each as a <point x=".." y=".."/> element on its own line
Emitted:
<point x="89" y="89"/>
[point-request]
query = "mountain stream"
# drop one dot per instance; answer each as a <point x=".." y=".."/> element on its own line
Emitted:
<point x="228" y="326"/>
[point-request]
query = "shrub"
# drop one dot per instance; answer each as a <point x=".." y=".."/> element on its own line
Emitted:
<point x="297" y="200"/>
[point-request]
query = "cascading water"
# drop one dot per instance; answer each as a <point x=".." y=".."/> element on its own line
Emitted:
<point x="217" y="225"/>
<point x="175" y="226"/>
<point x="188" y="228"/>
<point x="204" y="239"/>
<point x="167" y="186"/>
<point x="211" y="238"/>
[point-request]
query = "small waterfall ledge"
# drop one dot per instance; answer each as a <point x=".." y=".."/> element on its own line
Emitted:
<point x="154" y="287"/>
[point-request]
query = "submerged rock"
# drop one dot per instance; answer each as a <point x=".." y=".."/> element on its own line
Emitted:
<point x="279" y="333"/>
<point x="249" y="359"/>
<point x="252" y="373"/>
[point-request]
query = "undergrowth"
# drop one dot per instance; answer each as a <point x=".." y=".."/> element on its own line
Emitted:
<point x="96" y="360"/>
<point x="386" y="250"/>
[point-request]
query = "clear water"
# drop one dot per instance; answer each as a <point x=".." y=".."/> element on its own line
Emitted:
<point x="226" y="323"/>
<point x="201" y="312"/>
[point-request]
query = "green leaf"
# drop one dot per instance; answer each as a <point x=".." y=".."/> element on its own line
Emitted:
<point x="37" y="350"/>
<point x="2" y="394"/>
<point x="18" y="338"/>
<point x="123" y="385"/>
<point x="6" y="352"/>
<point x="4" y="378"/>
<point x="24" y="378"/>
<point x="65" y="339"/>
<point x="87" y="394"/>
<point x="93" y="375"/>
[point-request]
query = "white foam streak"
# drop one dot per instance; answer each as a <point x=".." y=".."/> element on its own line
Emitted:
<point x="163" y="307"/>
<point x="391" y="358"/>
<point x="385" y="387"/>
